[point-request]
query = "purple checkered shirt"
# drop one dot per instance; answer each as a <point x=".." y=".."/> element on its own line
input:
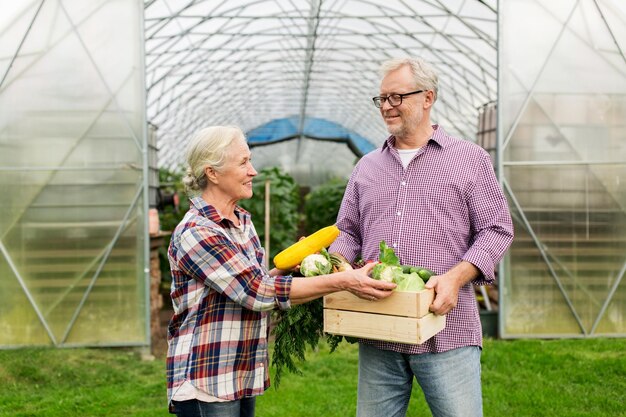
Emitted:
<point x="221" y="293"/>
<point x="446" y="206"/>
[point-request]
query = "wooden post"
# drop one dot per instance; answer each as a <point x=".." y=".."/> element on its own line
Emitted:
<point x="267" y="224"/>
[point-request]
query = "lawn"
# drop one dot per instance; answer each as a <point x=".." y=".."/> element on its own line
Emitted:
<point x="520" y="378"/>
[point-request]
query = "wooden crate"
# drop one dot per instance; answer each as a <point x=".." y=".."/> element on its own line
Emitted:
<point x="402" y="317"/>
<point x="405" y="304"/>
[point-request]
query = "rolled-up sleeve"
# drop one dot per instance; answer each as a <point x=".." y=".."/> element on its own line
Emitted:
<point x="210" y="257"/>
<point x="491" y="222"/>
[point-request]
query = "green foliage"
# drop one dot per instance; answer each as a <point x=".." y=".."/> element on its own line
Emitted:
<point x="295" y="329"/>
<point x="172" y="181"/>
<point x="169" y="218"/>
<point x="387" y="255"/>
<point x="321" y="205"/>
<point x="284" y="201"/>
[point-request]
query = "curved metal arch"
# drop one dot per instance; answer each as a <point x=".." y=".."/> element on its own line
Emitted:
<point x="310" y="59"/>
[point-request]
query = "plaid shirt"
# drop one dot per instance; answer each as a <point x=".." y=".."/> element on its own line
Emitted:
<point x="446" y="206"/>
<point x="221" y="292"/>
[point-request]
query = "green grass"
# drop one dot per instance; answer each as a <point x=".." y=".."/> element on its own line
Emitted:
<point x="520" y="378"/>
<point x="555" y="378"/>
<point x="80" y="382"/>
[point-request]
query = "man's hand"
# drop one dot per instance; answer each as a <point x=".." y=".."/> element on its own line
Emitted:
<point x="446" y="293"/>
<point x="447" y="286"/>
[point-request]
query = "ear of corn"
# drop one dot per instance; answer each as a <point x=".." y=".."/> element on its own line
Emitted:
<point x="295" y="253"/>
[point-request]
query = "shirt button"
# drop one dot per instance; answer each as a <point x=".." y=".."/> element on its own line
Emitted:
<point x="398" y="213"/>
<point x="403" y="183"/>
<point x="395" y="245"/>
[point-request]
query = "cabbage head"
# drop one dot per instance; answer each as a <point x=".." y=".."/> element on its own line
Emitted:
<point x="407" y="278"/>
<point x="315" y="264"/>
<point x="410" y="282"/>
<point x="386" y="272"/>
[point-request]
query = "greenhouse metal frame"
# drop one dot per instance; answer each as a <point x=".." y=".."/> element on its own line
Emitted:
<point x="80" y="81"/>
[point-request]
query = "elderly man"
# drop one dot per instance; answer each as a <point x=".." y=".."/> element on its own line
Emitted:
<point x="435" y="199"/>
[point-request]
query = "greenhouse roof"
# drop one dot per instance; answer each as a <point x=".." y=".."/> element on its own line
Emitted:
<point x="294" y="69"/>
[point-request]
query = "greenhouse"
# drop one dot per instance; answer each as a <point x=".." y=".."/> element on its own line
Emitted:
<point x="98" y="96"/>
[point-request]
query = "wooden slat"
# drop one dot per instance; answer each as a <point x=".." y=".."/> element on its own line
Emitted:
<point x="383" y="327"/>
<point x="400" y="303"/>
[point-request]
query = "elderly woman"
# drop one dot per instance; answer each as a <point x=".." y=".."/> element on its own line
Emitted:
<point x="217" y="358"/>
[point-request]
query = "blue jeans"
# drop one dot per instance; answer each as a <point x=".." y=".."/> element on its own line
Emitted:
<point x="450" y="382"/>
<point x="195" y="408"/>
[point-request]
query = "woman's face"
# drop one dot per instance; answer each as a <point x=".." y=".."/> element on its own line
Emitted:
<point x="235" y="177"/>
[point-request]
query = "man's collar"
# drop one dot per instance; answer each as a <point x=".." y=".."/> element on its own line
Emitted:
<point x="439" y="136"/>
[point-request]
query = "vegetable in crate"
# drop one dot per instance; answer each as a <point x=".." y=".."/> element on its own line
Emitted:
<point x="387" y="272"/>
<point x="407" y="277"/>
<point x="424" y="273"/>
<point x="410" y="282"/>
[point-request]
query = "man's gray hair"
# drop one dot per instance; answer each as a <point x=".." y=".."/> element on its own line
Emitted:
<point x="424" y="74"/>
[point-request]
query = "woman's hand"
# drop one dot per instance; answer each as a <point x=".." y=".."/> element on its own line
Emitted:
<point x="361" y="285"/>
<point x="357" y="281"/>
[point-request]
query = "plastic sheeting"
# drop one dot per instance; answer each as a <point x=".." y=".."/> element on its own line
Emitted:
<point x="563" y="156"/>
<point x="72" y="144"/>
<point x="249" y="63"/>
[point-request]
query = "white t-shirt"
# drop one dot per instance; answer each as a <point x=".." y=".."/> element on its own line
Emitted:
<point x="406" y="155"/>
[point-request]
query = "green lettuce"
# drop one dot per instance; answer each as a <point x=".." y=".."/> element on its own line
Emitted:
<point x="406" y="277"/>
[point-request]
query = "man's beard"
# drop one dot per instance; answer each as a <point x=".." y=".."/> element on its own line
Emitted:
<point x="398" y="130"/>
<point x="407" y="123"/>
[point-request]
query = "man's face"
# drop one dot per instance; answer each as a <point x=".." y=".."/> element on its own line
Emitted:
<point x="403" y="119"/>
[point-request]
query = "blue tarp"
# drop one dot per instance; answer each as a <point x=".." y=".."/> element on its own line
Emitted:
<point x="279" y="130"/>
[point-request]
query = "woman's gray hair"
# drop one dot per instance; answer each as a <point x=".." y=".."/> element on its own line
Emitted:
<point x="208" y="148"/>
<point x="424" y="74"/>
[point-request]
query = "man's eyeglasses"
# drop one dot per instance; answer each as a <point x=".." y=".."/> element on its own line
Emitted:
<point x="394" y="99"/>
